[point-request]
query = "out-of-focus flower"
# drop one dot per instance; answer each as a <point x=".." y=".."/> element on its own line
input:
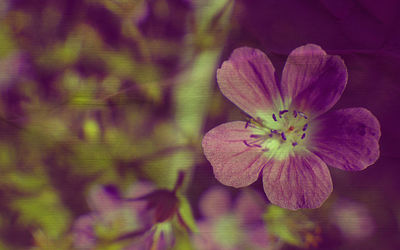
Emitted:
<point x="289" y="140"/>
<point x="111" y="216"/>
<point x="142" y="222"/>
<point x="354" y="220"/>
<point x="228" y="226"/>
<point x="11" y="67"/>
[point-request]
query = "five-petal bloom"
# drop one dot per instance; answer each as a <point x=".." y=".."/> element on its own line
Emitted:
<point x="289" y="139"/>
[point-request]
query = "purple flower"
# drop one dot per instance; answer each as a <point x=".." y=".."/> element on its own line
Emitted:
<point x="142" y="221"/>
<point x="353" y="219"/>
<point x="230" y="226"/>
<point x="12" y="67"/>
<point x="289" y="140"/>
<point x="111" y="216"/>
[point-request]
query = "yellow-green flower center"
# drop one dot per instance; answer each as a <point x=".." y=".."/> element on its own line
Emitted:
<point x="278" y="134"/>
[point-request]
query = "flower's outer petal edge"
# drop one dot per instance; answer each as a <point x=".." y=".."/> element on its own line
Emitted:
<point x="247" y="79"/>
<point x="313" y="81"/>
<point x="234" y="164"/>
<point x="299" y="181"/>
<point x="347" y="139"/>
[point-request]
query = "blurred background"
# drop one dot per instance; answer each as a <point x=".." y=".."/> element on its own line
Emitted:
<point x="111" y="93"/>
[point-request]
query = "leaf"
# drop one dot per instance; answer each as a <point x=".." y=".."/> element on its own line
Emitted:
<point x="43" y="211"/>
<point x="193" y="93"/>
<point x="185" y="211"/>
<point x="287" y="225"/>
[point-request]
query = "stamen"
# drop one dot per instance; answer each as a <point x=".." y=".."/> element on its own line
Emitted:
<point x="253" y="143"/>
<point x="305" y="127"/>
<point x="255" y="136"/>
<point x="282" y="112"/>
<point x="294" y="144"/>
<point x="283" y="136"/>
<point x="274" y="131"/>
<point x="294" y="113"/>
<point x="304" y="135"/>
<point x="274" y="117"/>
<point x="247" y="124"/>
<point x="302" y="114"/>
<point x="248" y="145"/>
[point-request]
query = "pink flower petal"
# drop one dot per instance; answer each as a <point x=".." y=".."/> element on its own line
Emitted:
<point x="300" y="181"/>
<point x="136" y="190"/>
<point x="313" y="81"/>
<point x="248" y="80"/>
<point x="215" y="202"/>
<point x="258" y="237"/>
<point x="347" y="139"/>
<point x="103" y="199"/>
<point x="234" y="163"/>
<point x="83" y="232"/>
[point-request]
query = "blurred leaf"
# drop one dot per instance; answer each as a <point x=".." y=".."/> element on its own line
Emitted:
<point x="290" y="226"/>
<point x="183" y="242"/>
<point x="207" y="10"/>
<point x="60" y="55"/>
<point x="91" y="130"/>
<point x="164" y="169"/>
<point x="185" y="210"/>
<point x="93" y="158"/>
<point x="7" y="156"/>
<point x="6" y="42"/>
<point x="43" y="211"/>
<point x="193" y="93"/>
<point x="25" y="182"/>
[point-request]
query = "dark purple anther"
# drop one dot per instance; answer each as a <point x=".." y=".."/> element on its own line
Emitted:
<point x="274" y="117"/>
<point x="247" y="124"/>
<point x="304" y="135"/>
<point x="305" y="127"/>
<point x="294" y="113"/>
<point x="273" y="131"/>
<point x="294" y="144"/>
<point x="270" y="135"/>
<point x="255" y="136"/>
<point x="283" y="136"/>
<point x="282" y="112"/>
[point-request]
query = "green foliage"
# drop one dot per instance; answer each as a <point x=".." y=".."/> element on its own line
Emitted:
<point x="6" y="43"/>
<point x="185" y="212"/>
<point x="44" y="211"/>
<point x="291" y="227"/>
<point x="193" y="93"/>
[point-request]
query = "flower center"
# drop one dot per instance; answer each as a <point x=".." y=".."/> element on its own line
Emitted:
<point x="283" y="131"/>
